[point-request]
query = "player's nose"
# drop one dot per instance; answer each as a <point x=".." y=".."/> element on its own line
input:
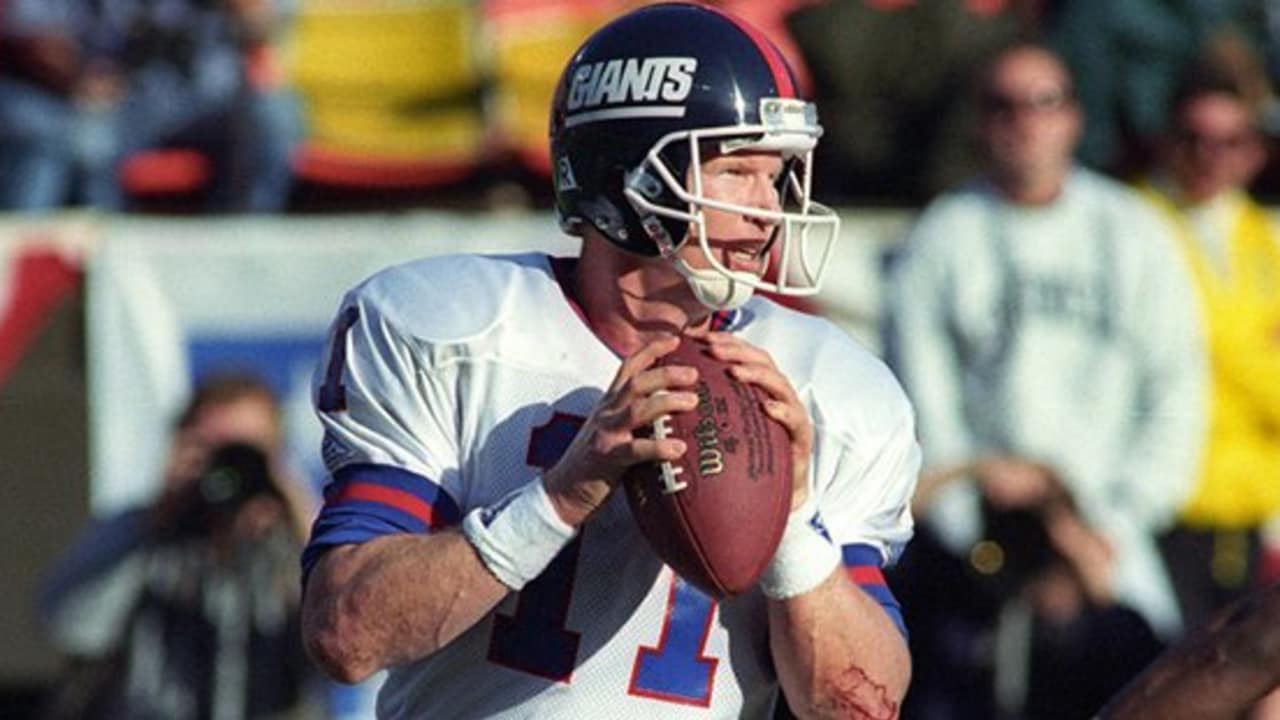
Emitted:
<point x="766" y="194"/>
<point x="764" y="197"/>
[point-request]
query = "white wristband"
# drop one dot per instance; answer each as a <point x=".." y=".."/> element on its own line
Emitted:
<point x="804" y="558"/>
<point x="519" y="535"/>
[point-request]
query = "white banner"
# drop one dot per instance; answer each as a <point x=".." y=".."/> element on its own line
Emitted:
<point x="172" y="299"/>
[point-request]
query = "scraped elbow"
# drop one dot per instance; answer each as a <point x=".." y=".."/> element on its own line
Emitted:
<point x="337" y="656"/>
<point x="335" y="638"/>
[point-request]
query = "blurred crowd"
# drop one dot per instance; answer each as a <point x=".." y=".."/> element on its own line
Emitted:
<point x="1094" y="372"/>
<point x="88" y="85"/>
<point x="1085" y="313"/>
<point x="308" y="105"/>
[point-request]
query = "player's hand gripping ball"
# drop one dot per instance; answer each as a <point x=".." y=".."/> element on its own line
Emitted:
<point x="717" y="514"/>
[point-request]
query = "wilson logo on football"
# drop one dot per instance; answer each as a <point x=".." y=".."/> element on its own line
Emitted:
<point x="630" y="88"/>
<point x="710" y="457"/>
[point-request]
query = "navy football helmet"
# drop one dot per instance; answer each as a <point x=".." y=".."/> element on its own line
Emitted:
<point x="648" y="97"/>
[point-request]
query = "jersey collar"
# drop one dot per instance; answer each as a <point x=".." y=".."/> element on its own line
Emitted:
<point x="563" y="268"/>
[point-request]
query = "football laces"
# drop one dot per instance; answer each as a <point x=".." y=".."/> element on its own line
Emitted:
<point x="671" y="482"/>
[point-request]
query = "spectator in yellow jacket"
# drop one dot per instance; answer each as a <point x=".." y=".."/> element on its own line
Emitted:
<point x="1212" y="152"/>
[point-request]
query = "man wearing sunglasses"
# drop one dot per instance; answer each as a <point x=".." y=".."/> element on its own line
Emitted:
<point x="1046" y="332"/>
<point x="1212" y="151"/>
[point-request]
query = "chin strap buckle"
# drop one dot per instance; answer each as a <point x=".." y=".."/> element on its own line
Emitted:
<point x="657" y="232"/>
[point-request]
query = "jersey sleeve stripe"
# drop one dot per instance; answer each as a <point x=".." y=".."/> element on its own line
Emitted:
<point x="882" y="595"/>
<point x="395" y="487"/>
<point x="398" y="520"/>
<point x="860" y="554"/>
<point x="396" y="499"/>
<point x="862" y="564"/>
<point x="348" y="525"/>
<point x="865" y="575"/>
<point x="366" y="501"/>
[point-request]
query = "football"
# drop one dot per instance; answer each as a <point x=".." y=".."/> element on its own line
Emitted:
<point x="717" y="514"/>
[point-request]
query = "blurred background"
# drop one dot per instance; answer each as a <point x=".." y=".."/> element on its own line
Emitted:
<point x="189" y="186"/>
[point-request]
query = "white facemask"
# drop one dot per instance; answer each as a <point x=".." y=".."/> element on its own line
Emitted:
<point x="805" y="235"/>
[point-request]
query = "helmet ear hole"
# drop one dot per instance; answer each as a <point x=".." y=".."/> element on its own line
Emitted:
<point x="646" y="183"/>
<point x="652" y="181"/>
<point x="604" y="216"/>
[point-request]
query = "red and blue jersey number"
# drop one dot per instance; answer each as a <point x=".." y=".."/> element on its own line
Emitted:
<point x="535" y="639"/>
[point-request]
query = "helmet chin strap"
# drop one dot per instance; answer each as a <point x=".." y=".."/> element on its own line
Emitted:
<point x="713" y="289"/>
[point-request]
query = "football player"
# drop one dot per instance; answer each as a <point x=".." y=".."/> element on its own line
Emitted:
<point x="479" y="412"/>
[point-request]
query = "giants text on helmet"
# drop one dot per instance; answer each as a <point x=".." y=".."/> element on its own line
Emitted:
<point x="632" y="80"/>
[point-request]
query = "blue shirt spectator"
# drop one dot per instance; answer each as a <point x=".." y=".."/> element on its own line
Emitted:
<point x="87" y="83"/>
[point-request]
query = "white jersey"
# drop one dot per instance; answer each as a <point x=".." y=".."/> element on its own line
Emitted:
<point x="453" y="380"/>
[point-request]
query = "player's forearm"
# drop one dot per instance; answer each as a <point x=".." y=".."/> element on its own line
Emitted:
<point x="1220" y="672"/>
<point x="838" y="654"/>
<point x="393" y="600"/>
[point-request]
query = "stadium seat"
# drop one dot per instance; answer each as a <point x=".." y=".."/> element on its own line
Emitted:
<point x="530" y="41"/>
<point x="165" y="171"/>
<point x="392" y="91"/>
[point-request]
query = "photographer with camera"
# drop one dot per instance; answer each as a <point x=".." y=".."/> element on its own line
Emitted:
<point x="188" y="607"/>
<point x="1034" y="627"/>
